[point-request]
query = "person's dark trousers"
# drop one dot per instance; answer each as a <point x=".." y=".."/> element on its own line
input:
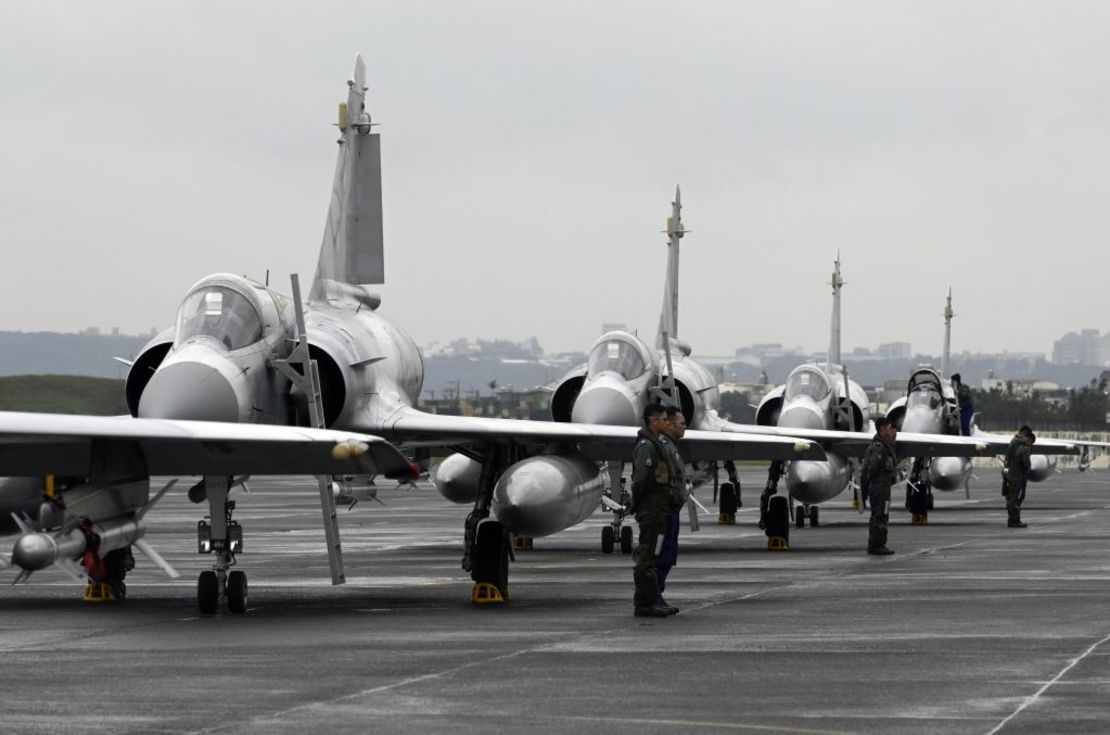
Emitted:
<point x="668" y="555"/>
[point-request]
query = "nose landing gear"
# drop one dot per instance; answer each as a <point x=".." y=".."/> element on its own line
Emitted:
<point x="222" y="536"/>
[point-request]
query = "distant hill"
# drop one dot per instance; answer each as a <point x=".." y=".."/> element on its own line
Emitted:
<point x="62" y="394"/>
<point x="53" y="353"/>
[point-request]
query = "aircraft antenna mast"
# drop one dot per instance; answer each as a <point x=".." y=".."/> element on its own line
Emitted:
<point x="948" y="314"/>
<point x="668" y="319"/>
<point x="837" y="284"/>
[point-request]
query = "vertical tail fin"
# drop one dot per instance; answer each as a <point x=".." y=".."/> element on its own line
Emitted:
<point x="946" y="357"/>
<point x="837" y="284"/>
<point x="668" y="318"/>
<point x="351" y="255"/>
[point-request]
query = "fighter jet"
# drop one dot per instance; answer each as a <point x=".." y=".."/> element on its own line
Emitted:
<point x="242" y="352"/>
<point x="930" y="406"/>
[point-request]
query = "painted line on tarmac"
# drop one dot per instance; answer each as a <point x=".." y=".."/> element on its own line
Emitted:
<point x="736" y="726"/>
<point x="1030" y="700"/>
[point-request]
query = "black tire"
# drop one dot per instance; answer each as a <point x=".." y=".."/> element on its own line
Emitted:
<point x="626" y="540"/>
<point x="800" y="516"/>
<point x="491" y="556"/>
<point x="909" y="497"/>
<point x="237" y="593"/>
<point x="813" y="517"/>
<point x="726" y="499"/>
<point x="607" y="539"/>
<point x="930" y="501"/>
<point x="778" y="517"/>
<point x="208" y="592"/>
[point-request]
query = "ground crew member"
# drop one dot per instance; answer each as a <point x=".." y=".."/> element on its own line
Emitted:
<point x="878" y="471"/>
<point x="654" y="484"/>
<point x="965" y="402"/>
<point x="1015" y="474"/>
<point x="669" y="437"/>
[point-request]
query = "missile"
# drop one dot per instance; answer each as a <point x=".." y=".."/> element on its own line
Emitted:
<point x="543" y="495"/>
<point x="35" y="550"/>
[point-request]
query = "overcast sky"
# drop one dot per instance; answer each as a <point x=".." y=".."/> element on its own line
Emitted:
<point x="530" y="154"/>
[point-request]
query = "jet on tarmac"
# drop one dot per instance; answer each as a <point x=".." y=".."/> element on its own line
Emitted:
<point x="241" y="352"/>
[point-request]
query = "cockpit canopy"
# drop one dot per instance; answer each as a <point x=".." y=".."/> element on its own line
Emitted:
<point x="924" y="390"/>
<point x="807" y="381"/>
<point x="221" y="313"/>
<point x="619" y="353"/>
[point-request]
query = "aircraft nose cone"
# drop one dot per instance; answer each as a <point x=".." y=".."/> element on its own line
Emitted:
<point x="802" y="416"/>
<point x="920" y="420"/>
<point x="33" y="551"/>
<point x="605" y="403"/>
<point x="191" y="391"/>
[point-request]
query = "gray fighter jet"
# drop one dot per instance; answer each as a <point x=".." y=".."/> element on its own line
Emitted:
<point x="930" y="406"/>
<point x="242" y="352"/>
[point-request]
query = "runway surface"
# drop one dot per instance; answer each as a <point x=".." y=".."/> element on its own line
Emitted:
<point x="970" y="628"/>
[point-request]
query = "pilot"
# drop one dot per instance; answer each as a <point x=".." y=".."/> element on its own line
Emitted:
<point x="878" y="471"/>
<point x="965" y="402"/>
<point x="673" y="431"/>
<point x="655" y="480"/>
<point x="1015" y="474"/>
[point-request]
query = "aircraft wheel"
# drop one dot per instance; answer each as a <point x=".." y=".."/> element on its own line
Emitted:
<point x="626" y="540"/>
<point x="778" y="517"/>
<point x="800" y="516"/>
<point x="726" y="499"/>
<point x="208" y="592"/>
<point x="607" y="536"/>
<point x="909" y="496"/>
<point x="813" y="520"/>
<point x="237" y="592"/>
<point x="930" y="501"/>
<point x="491" y="556"/>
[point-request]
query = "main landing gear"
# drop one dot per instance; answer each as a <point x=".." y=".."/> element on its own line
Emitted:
<point x="774" y="511"/>
<point x="616" y="532"/>
<point x="919" y="493"/>
<point x="223" y="537"/>
<point x="488" y="544"/>
<point x="728" y="499"/>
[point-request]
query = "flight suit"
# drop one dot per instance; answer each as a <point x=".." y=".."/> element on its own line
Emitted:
<point x="878" y="472"/>
<point x="654" y="484"/>
<point x="1014" y="479"/>
<point x="668" y="553"/>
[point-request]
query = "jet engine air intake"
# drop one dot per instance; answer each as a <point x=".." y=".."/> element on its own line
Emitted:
<point x="142" y="370"/>
<point x="562" y="401"/>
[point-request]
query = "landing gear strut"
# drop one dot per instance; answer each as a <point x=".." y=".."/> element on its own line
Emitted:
<point x="223" y="537"/>
<point x="488" y="544"/>
<point x="616" y="532"/>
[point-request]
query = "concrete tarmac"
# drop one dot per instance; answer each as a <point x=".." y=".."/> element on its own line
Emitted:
<point x="970" y="628"/>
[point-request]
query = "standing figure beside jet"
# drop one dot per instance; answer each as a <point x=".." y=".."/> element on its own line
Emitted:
<point x="878" y="472"/>
<point x="656" y="479"/>
<point x="668" y="554"/>
<point x="1015" y="474"/>
<point x="965" y="402"/>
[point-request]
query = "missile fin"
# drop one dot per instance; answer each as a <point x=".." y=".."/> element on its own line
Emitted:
<point x="72" y="568"/>
<point x="155" y="557"/>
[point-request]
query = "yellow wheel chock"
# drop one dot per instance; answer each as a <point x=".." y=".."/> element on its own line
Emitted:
<point x="920" y="519"/>
<point x="522" y="543"/>
<point x="777" y="543"/>
<point x="98" y="592"/>
<point x="726" y="519"/>
<point x="485" y="593"/>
